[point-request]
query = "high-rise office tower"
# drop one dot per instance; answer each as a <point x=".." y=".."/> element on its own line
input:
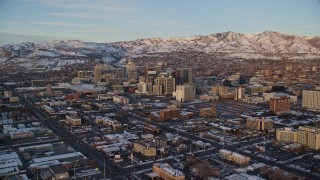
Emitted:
<point x="184" y="75"/>
<point x="142" y="87"/>
<point x="160" y="80"/>
<point x="131" y="71"/>
<point x="49" y="88"/>
<point x="131" y="66"/>
<point x="239" y="93"/>
<point x="142" y="79"/>
<point x="97" y="74"/>
<point x="118" y="73"/>
<point x="157" y="89"/>
<point x="314" y="68"/>
<point x="185" y="93"/>
<point x="169" y="85"/>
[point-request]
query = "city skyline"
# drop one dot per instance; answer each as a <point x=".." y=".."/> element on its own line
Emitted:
<point x="110" y="21"/>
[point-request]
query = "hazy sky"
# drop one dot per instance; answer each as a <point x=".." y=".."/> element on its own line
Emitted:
<point x="118" y="20"/>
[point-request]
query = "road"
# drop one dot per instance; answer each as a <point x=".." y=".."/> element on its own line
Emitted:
<point x="228" y="147"/>
<point x="112" y="170"/>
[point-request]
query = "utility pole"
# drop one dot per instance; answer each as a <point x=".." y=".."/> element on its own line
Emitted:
<point x="74" y="169"/>
<point x="104" y="167"/>
<point x="134" y="168"/>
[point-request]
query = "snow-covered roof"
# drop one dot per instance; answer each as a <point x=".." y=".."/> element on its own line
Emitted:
<point x="239" y="156"/>
<point x="58" y="157"/>
<point x="168" y="169"/>
<point x="35" y="147"/>
<point x="9" y="162"/>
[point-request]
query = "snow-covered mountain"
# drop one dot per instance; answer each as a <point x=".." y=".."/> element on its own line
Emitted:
<point x="57" y="54"/>
<point x="269" y="44"/>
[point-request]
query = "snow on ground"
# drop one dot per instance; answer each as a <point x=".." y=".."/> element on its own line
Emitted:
<point x="43" y="53"/>
<point x="247" y="56"/>
<point x="3" y="60"/>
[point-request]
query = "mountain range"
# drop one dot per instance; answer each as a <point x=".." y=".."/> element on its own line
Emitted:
<point x="57" y="54"/>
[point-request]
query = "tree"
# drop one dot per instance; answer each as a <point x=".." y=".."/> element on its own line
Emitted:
<point x="278" y="89"/>
<point x="265" y="171"/>
<point x="204" y="170"/>
<point x="93" y="163"/>
<point x="277" y="175"/>
<point x="151" y="117"/>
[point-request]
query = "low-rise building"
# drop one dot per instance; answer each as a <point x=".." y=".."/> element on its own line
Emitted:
<point x="219" y="90"/>
<point x="259" y="124"/>
<point x="18" y="133"/>
<point x="10" y="164"/>
<point x="72" y="97"/>
<point x="144" y="148"/>
<point x="151" y="129"/>
<point x="165" y="171"/>
<point x="168" y="114"/>
<point x="311" y="100"/>
<point x="286" y="134"/>
<point x="57" y="172"/>
<point x="208" y="112"/>
<point x="48" y="109"/>
<point x="57" y="103"/>
<point x="228" y="96"/>
<point x="14" y="99"/>
<point x="160" y="143"/>
<point x="7" y="94"/>
<point x="108" y="122"/>
<point x="210" y="97"/>
<point x="307" y="136"/>
<point x="120" y="100"/>
<point x="234" y="157"/>
<point x="118" y="88"/>
<point x="105" y="96"/>
<point x="73" y="120"/>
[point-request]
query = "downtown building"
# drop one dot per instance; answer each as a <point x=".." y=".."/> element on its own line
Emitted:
<point x="97" y="74"/>
<point x="168" y="85"/>
<point x="131" y="71"/>
<point x="157" y="89"/>
<point x="220" y="90"/>
<point x="240" y="93"/>
<point x="184" y="75"/>
<point x="143" y="87"/>
<point x="185" y="93"/>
